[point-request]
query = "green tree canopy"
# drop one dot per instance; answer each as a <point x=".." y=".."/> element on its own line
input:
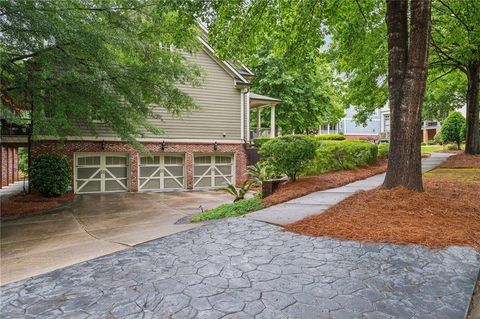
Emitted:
<point x="309" y="93"/>
<point x="76" y="61"/>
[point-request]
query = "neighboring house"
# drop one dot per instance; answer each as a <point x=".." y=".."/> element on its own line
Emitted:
<point x="205" y="148"/>
<point x="348" y="127"/>
<point x="376" y="128"/>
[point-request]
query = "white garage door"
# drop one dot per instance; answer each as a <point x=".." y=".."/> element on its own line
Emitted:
<point x="98" y="173"/>
<point x="213" y="170"/>
<point x="161" y="172"/>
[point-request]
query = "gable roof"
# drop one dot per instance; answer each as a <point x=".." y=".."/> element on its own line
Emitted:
<point x="240" y="73"/>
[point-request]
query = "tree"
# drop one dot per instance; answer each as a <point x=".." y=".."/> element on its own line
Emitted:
<point x="453" y="129"/>
<point x="308" y="93"/>
<point x="408" y="36"/>
<point x="70" y="63"/>
<point x="300" y="27"/>
<point x="455" y="48"/>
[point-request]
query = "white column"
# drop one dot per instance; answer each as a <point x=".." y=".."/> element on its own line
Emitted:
<point x="328" y="128"/>
<point x="258" y="120"/>
<point x="272" y="121"/>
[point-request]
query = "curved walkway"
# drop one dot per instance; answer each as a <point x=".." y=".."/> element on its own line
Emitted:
<point x="315" y="203"/>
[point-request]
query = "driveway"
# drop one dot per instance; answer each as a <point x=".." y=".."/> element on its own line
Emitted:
<point x="239" y="268"/>
<point x="94" y="226"/>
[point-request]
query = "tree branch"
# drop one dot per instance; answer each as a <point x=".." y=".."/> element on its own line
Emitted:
<point x="441" y="76"/>
<point x="467" y="27"/>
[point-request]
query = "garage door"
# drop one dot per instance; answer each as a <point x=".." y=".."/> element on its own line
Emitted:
<point x="98" y="173"/>
<point x="161" y="172"/>
<point x="213" y="170"/>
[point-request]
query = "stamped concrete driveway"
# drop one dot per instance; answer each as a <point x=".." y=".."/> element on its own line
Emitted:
<point x="239" y="268"/>
<point x="94" y="226"/>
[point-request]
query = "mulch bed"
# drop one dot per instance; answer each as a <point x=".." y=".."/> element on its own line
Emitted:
<point x="462" y="161"/>
<point x="446" y="214"/>
<point x="20" y="204"/>
<point x="309" y="184"/>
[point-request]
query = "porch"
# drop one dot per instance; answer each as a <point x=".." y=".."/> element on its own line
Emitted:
<point x="257" y="104"/>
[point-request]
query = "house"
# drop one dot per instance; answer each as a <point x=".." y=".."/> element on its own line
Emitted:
<point x="348" y="127"/>
<point x="206" y="148"/>
<point x="377" y="128"/>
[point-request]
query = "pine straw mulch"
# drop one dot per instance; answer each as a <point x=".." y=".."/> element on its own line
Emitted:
<point x="462" y="161"/>
<point x="309" y="184"/>
<point x="17" y="205"/>
<point x="447" y="213"/>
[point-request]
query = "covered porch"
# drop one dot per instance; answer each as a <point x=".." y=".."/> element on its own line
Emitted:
<point x="257" y="103"/>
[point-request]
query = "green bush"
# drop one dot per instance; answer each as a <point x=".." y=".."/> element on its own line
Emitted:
<point x="431" y="142"/>
<point x="50" y="174"/>
<point x="259" y="141"/>
<point x="453" y="129"/>
<point x="383" y="150"/>
<point x="289" y="155"/>
<point x="238" y="208"/>
<point x="330" y="137"/>
<point x="340" y="155"/>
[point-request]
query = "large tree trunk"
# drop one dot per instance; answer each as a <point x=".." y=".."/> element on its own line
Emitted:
<point x="407" y="72"/>
<point x="472" y="145"/>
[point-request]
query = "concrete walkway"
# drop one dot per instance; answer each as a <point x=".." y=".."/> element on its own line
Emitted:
<point x="315" y="203"/>
<point x="12" y="189"/>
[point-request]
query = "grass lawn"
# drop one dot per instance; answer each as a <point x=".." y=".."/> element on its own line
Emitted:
<point x="431" y="148"/>
<point x="236" y="209"/>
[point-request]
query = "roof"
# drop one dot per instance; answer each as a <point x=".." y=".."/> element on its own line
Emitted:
<point x="241" y="73"/>
<point x="257" y="100"/>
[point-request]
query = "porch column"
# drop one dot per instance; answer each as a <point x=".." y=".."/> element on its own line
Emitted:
<point x="272" y="121"/>
<point x="258" y="121"/>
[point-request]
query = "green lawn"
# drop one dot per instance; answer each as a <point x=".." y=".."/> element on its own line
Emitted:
<point x="239" y="208"/>
<point x="431" y="148"/>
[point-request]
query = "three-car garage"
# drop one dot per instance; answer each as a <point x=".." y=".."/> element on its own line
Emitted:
<point x="111" y="172"/>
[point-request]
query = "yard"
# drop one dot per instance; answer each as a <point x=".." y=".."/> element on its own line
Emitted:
<point x="446" y="214"/>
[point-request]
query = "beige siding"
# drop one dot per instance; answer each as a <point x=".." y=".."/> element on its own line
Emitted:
<point x="219" y="112"/>
<point x="219" y="103"/>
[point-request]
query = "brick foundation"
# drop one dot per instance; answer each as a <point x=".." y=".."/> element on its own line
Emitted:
<point x="69" y="148"/>
<point x="362" y="137"/>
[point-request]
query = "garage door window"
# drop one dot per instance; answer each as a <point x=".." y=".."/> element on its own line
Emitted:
<point x="101" y="173"/>
<point x="213" y="170"/>
<point x="161" y="172"/>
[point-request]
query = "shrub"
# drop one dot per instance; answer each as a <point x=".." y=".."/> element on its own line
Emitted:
<point x="50" y="174"/>
<point x="259" y="141"/>
<point x="383" y="150"/>
<point x="431" y="142"/>
<point x="330" y="137"/>
<point x="238" y="208"/>
<point x="289" y="155"/>
<point x="453" y="129"/>
<point x="339" y="155"/>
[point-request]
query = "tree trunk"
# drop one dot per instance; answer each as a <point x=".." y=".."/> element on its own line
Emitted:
<point x="407" y="73"/>
<point x="472" y="144"/>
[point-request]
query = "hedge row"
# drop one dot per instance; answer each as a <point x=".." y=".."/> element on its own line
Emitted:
<point x="341" y="155"/>
<point x="308" y="155"/>
<point x="259" y="141"/>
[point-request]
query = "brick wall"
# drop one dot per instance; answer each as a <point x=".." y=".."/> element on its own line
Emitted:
<point x="9" y="165"/>
<point x="69" y="148"/>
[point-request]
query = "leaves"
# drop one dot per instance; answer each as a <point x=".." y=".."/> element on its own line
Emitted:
<point x="76" y="62"/>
